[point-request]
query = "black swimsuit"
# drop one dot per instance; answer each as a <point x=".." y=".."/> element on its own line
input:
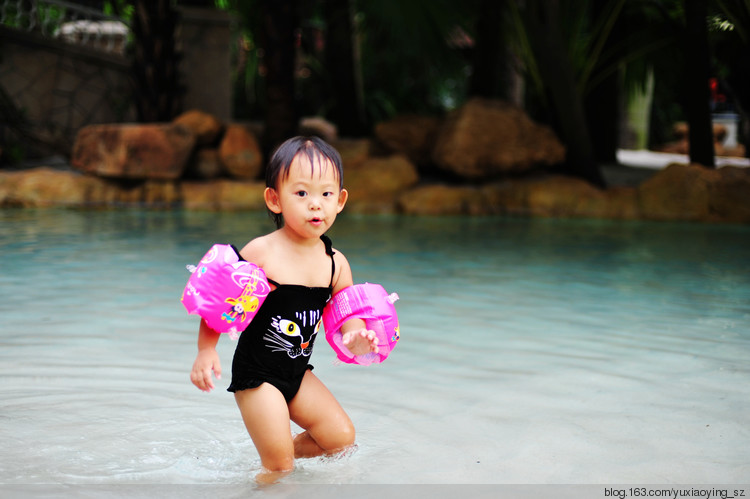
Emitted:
<point x="276" y="346"/>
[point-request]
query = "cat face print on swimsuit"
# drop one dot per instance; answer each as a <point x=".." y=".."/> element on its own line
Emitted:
<point x="294" y="335"/>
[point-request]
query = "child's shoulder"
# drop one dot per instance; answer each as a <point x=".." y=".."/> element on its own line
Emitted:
<point x="256" y="250"/>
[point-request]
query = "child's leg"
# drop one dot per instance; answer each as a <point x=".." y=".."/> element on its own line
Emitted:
<point x="328" y="428"/>
<point x="266" y="418"/>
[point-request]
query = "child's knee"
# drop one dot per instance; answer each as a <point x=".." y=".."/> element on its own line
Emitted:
<point x="278" y="464"/>
<point x="345" y="436"/>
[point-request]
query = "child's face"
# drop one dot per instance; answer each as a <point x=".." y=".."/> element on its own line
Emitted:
<point x="309" y="198"/>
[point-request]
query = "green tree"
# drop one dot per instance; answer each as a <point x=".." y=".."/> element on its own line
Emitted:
<point x="414" y="55"/>
<point x="549" y="58"/>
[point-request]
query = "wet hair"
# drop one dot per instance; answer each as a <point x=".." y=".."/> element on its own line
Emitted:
<point x="317" y="151"/>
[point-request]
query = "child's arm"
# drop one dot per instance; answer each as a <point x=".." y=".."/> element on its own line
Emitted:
<point x="355" y="336"/>
<point x="207" y="359"/>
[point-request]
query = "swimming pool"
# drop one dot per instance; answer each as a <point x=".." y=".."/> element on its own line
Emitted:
<point x="532" y="351"/>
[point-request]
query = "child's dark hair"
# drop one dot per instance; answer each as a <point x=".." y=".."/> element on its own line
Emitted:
<point x="316" y="149"/>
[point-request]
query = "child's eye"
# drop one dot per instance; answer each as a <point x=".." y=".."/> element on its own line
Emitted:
<point x="301" y="194"/>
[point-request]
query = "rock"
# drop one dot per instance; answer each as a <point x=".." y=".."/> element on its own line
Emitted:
<point x="151" y="193"/>
<point x="353" y="152"/>
<point x="486" y="139"/>
<point x="681" y="130"/>
<point x="559" y="196"/>
<point x="440" y="199"/>
<point x="696" y="193"/>
<point x="45" y="187"/>
<point x="206" y="127"/>
<point x="41" y="187"/>
<point x="737" y="151"/>
<point x="319" y="127"/>
<point x="135" y="151"/>
<point x="374" y="184"/>
<point x="681" y="145"/>
<point x="679" y="192"/>
<point x="730" y="194"/>
<point x="411" y="135"/>
<point x="622" y="203"/>
<point x="542" y="196"/>
<point x="223" y="195"/>
<point x="205" y="164"/>
<point x="240" y="153"/>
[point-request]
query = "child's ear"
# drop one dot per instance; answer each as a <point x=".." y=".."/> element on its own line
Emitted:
<point x="343" y="196"/>
<point x="272" y="200"/>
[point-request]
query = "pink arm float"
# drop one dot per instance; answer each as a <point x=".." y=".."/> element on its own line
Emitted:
<point x="225" y="290"/>
<point x="374" y="305"/>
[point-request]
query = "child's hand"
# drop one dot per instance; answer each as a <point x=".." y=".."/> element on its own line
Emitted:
<point x="361" y="341"/>
<point x="206" y="362"/>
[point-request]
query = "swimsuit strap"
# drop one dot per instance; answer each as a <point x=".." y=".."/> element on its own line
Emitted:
<point x="329" y="251"/>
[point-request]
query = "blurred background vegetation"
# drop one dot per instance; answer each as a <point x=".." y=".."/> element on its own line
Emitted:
<point x="576" y="65"/>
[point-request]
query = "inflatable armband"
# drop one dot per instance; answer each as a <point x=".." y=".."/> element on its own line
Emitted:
<point x="225" y="290"/>
<point x="371" y="303"/>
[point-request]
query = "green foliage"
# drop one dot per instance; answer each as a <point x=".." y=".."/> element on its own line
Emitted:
<point x="410" y="61"/>
<point x="734" y="16"/>
<point x="123" y="9"/>
<point x="413" y="60"/>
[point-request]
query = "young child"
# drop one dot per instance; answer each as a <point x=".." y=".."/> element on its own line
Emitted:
<point x="271" y="378"/>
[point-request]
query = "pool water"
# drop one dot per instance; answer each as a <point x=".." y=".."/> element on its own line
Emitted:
<point x="532" y="351"/>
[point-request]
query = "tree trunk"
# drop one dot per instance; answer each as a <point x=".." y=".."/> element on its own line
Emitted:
<point x="602" y="111"/>
<point x="488" y="65"/>
<point x="557" y="73"/>
<point x="602" y="103"/>
<point x="343" y="66"/>
<point x="697" y="105"/>
<point x="279" y="22"/>
<point x="155" y="61"/>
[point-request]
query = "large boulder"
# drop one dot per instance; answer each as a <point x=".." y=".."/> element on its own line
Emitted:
<point x="135" y="151"/>
<point x="240" y="152"/>
<point x="205" y="126"/>
<point x="412" y="135"/>
<point x="486" y="139"/>
<point x="730" y="194"/>
<point x="375" y="183"/>
<point x="696" y="193"/>
<point x="223" y="194"/>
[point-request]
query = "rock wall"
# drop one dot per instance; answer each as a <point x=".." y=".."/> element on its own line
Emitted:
<point x="217" y="166"/>
<point x="678" y="193"/>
